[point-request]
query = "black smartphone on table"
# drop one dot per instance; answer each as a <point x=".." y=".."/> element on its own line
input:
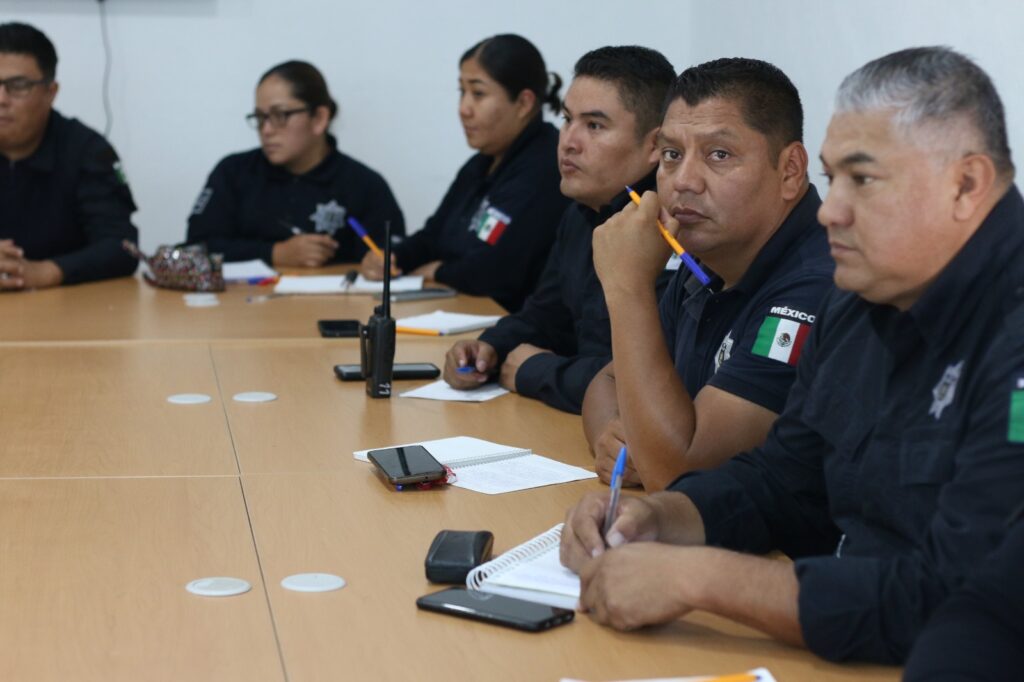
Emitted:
<point x="338" y="328"/>
<point x="402" y="370"/>
<point x="495" y="609"/>
<point x="406" y="465"/>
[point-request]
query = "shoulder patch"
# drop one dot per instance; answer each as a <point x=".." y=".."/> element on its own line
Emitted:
<point x="119" y="173"/>
<point x="488" y="223"/>
<point x="202" y="201"/>
<point x="791" y="313"/>
<point x="781" y="338"/>
<point x="1015" y="432"/>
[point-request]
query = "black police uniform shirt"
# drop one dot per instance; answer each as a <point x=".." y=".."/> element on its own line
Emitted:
<point x="566" y="314"/>
<point x="978" y="633"/>
<point x="746" y="340"/>
<point x="494" y="230"/>
<point x="249" y="204"/>
<point x="898" y="456"/>
<point x="69" y="202"/>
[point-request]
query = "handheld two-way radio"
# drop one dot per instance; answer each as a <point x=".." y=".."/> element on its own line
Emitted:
<point x="377" y="336"/>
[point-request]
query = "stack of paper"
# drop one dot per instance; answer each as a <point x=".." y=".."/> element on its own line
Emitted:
<point x="339" y="284"/>
<point x="448" y="323"/>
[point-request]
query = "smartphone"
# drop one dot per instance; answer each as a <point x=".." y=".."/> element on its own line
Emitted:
<point x="496" y="609"/>
<point x="423" y="294"/>
<point x="338" y="328"/>
<point x="406" y="465"/>
<point x="402" y="370"/>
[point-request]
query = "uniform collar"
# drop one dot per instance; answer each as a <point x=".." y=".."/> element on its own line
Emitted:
<point x="321" y="174"/>
<point x="44" y="158"/>
<point x="618" y="202"/>
<point x="966" y="282"/>
<point x="801" y="219"/>
<point x="532" y="129"/>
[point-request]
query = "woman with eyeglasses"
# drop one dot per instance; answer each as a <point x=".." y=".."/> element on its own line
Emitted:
<point x="291" y="201"/>
<point x="495" y="226"/>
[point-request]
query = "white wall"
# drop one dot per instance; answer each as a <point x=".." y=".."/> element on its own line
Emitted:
<point x="184" y="70"/>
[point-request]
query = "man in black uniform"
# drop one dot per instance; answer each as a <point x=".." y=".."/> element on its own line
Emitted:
<point x="64" y="205"/>
<point x="900" y="453"/>
<point x="554" y="346"/>
<point x="978" y="634"/>
<point x="695" y="379"/>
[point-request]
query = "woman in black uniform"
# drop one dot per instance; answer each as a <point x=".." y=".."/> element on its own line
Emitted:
<point x="290" y="201"/>
<point x="493" y="230"/>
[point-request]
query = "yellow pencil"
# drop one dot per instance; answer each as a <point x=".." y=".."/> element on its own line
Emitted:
<point x="421" y="332"/>
<point x="738" y="677"/>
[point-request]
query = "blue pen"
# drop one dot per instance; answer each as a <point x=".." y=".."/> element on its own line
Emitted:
<point x="616" y="486"/>
<point x="687" y="259"/>
<point x="466" y="369"/>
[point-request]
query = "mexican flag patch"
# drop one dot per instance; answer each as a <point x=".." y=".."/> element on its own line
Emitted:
<point x="490" y="224"/>
<point x="781" y="339"/>
<point x="1015" y="433"/>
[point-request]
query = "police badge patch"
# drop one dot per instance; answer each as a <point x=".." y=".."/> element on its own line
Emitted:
<point x="724" y="351"/>
<point x="942" y="394"/>
<point x="202" y="201"/>
<point x="328" y="218"/>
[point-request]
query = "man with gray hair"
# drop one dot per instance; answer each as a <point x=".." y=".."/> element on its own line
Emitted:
<point x="900" y="454"/>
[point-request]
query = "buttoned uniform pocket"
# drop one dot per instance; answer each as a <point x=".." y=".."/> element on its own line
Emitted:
<point x="926" y="464"/>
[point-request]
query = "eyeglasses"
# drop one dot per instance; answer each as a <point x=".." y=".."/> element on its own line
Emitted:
<point x="278" y="117"/>
<point x="19" y="85"/>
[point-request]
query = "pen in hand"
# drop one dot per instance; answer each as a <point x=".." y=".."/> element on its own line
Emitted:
<point x="687" y="259"/>
<point x="616" y="486"/>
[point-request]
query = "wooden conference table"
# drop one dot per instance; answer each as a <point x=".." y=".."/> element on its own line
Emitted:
<point x="112" y="499"/>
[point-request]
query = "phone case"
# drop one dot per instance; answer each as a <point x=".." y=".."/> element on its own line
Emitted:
<point x="454" y="553"/>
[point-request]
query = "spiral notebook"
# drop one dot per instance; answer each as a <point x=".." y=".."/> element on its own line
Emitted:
<point x="531" y="571"/>
<point x="492" y="468"/>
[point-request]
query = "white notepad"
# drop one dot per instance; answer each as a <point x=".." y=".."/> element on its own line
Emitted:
<point x="246" y="270"/>
<point x="449" y="323"/>
<point x="440" y="390"/>
<point x="338" y="284"/>
<point x="492" y="468"/>
<point x="531" y="571"/>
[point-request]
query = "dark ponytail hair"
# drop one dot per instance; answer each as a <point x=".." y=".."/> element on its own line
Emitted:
<point x="307" y="84"/>
<point x="516" y="65"/>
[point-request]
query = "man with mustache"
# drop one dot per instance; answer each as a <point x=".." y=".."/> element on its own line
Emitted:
<point x="891" y="472"/>
<point x="553" y="346"/>
<point x="703" y="376"/>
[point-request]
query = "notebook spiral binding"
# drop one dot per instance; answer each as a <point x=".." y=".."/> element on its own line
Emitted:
<point x="524" y="552"/>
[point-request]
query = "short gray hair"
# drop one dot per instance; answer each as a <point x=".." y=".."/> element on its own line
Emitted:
<point x="931" y="85"/>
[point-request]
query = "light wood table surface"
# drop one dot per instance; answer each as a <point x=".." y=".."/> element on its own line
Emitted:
<point x="113" y="499"/>
<point x="129" y="309"/>
<point x="93" y="575"/>
<point x="102" y="410"/>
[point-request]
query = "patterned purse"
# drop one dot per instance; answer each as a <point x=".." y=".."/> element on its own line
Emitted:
<point x="187" y="268"/>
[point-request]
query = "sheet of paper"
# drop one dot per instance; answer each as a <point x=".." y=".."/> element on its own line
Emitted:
<point x="449" y="323"/>
<point x="439" y="390"/>
<point x="518" y="473"/>
<point x="247" y="270"/>
<point x="337" y="284"/>
<point x="404" y="283"/>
